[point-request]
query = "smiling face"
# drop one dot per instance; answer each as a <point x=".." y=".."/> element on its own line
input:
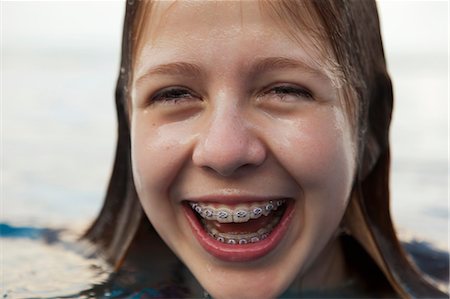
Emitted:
<point x="242" y="153"/>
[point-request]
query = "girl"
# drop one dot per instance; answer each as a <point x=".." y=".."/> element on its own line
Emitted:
<point x="253" y="152"/>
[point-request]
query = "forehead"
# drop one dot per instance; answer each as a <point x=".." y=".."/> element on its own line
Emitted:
<point x="215" y="16"/>
<point x="206" y="22"/>
<point x="181" y="26"/>
<point x="211" y="11"/>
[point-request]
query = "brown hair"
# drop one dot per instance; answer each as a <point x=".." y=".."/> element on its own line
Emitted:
<point x="352" y="30"/>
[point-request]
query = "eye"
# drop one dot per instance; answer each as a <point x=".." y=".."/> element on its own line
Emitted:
<point x="173" y="95"/>
<point x="288" y="92"/>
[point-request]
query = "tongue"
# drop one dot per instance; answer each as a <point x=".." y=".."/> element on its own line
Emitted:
<point x="251" y="226"/>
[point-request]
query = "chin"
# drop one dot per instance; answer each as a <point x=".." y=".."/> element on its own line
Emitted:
<point x="267" y="277"/>
<point x="245" y="285"/>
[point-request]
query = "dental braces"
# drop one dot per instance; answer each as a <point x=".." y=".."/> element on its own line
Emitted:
<point x="240" y="215"/>
<point x="241" y="239"/>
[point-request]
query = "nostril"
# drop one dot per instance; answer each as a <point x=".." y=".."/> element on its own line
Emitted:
<point x="231" y="170"/>
<point x="223" y="171"/>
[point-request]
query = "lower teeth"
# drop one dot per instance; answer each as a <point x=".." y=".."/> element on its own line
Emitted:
<point x="242" y="238"/>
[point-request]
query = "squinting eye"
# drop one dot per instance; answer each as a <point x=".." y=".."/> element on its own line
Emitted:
<point x="173" y="95"/>
<point x="283" y="91"/>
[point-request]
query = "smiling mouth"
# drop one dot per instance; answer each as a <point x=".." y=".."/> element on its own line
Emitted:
<point x="241" y="224"/>
<point x="243" y="230"/>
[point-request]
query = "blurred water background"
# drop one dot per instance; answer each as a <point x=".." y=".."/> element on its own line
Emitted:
<point x="60" y="61"/>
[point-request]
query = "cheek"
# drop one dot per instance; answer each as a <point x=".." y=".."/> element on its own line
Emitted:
<point x="318" y="152"/>
<point x="157" y="151"/>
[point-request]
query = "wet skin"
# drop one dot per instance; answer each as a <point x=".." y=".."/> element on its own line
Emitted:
<point x="228" y="107"/>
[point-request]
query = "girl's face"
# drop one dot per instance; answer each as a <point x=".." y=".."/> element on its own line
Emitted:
<point x="243" y="157"/>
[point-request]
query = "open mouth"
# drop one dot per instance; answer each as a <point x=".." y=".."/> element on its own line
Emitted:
<point x="239" y="232"/>
<point x="242" y="224"/>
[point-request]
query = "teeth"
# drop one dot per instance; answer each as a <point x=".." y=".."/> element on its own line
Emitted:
<point x="242" y="238"/>
<point x="208" y="214"/>
<point x="224" y="216"/>
<point x="268" y="208"/>
<point x="239" y="214"/>
<point x="254" y="239"/>
<point x="256" y="212"/>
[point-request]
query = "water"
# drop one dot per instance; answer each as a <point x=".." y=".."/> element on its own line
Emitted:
<point x="58" y="139"/>
<point x="59" y="266"/>
<point x="419" y="139"/>
<point x="69" y="266"/>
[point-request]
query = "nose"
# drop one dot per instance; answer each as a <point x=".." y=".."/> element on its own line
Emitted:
<point x="229" y="143"/>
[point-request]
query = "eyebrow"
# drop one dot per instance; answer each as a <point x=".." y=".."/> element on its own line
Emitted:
<point x="263" y="65"/>
<point x="277" y="63"/>
<point x="184" y="69"/>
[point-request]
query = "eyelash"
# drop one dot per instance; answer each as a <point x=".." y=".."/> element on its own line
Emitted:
<point x="177" y="94"/>
<point x="282" y="91"/>
<point x="174" y="94"/>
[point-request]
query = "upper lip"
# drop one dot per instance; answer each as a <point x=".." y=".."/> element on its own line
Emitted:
<point x="233" y="199"/>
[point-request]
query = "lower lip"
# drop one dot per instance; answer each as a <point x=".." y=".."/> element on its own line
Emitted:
<point x="240" y="253"/>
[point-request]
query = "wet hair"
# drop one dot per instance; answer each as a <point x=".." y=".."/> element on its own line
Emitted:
<point x="351" y="29"/>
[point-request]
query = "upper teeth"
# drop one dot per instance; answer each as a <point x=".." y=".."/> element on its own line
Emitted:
<point x="240" y="213"/>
